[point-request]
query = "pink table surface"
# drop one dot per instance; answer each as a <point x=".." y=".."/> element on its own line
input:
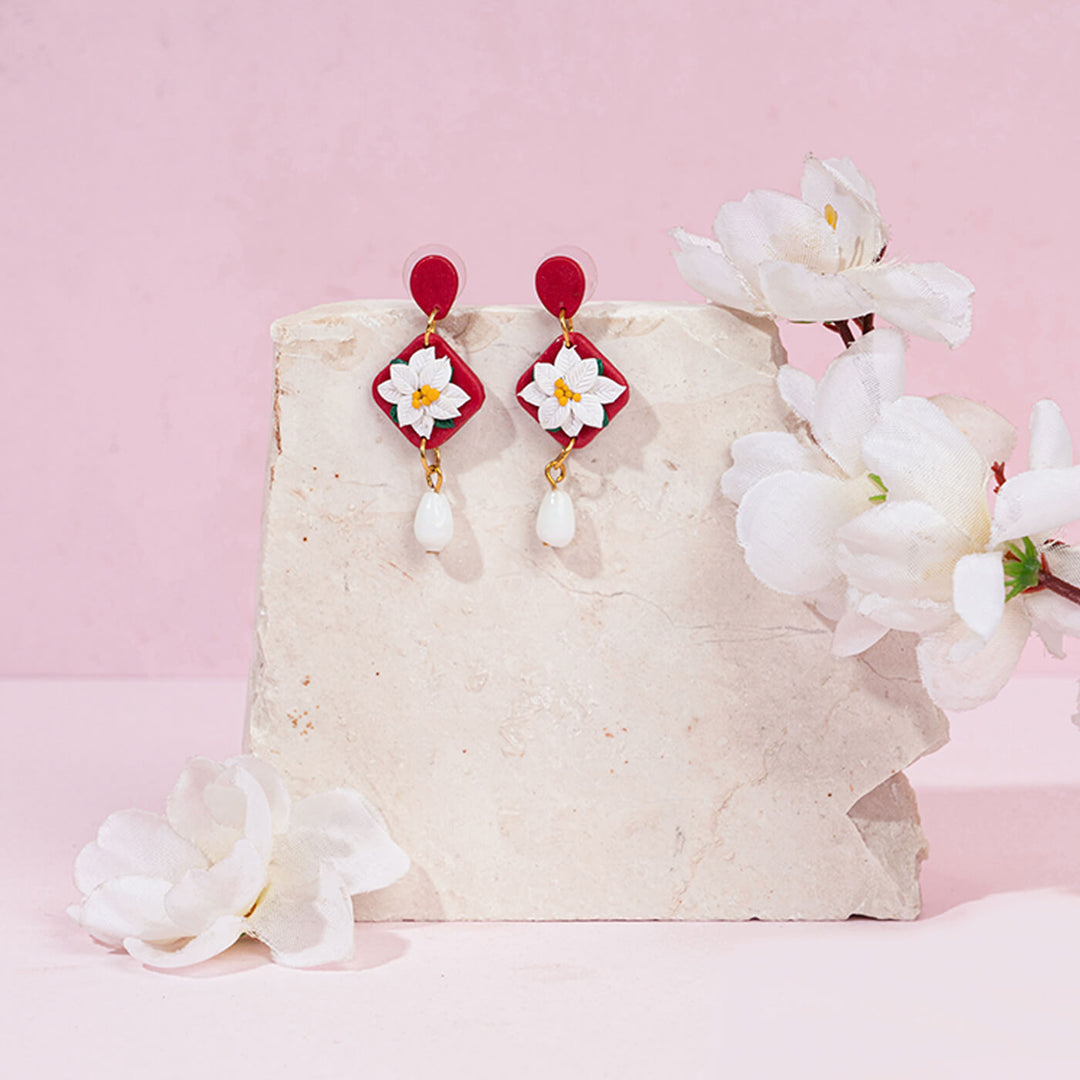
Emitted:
<point x="984" y="984"/>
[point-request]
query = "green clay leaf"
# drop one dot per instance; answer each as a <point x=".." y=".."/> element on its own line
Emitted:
<point x="397" y="361"/>
<point x="393" y="413"/>
<point x="444" y="423"/>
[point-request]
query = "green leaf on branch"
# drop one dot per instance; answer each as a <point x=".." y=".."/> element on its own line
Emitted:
<point x="1022" y="568"/>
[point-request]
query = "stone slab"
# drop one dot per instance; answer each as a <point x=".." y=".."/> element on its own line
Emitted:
<point x="627" y="728"/>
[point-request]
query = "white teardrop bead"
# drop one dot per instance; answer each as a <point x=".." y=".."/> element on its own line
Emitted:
<point x="555" y="522"/>
<point x="434" y="522"/>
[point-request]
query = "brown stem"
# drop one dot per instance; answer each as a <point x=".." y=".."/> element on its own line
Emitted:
<point x="1060" y="586"/>
<point x="841" y="327"/>
<point x="866" y="322"/>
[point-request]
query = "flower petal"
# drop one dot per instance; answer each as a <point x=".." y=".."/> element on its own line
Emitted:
<point x="443" y="409"/>
<point x="1051" y="445"/>
<point x="921" y="455"/>
<point x="971" y="680"/>
<point x="607" y="390"/>
<point x="761" y="454"/>
<point x="707" y="270"/>
<point x="419" y="360"/>
<point x="306" y="925"/>
<point x="798" y="389"/>
<point x="1052" y="614"/>
<point x="916" y="616"/>
<point x="132" y="906"/>
<point x="836" y="183"/>
<point x="855" y="634"/>
<point x="552" y="415"/>
<point x="544" y="376"/>
<point x="801" y="294"/>
<point x="271" y="781"/>
<point x="135" y="843"/>
<point x="404" y="380"/>
<point x="564" y="359"/>
<point x="424" y="424"/>
<point x="926" y="299"/>
<point x="770" y="227"/>
<point x="353" y="840"/>
<point x="979" y="591"/>
<point x="852" y="393"/>
<point x="214" y="805"/>
<point x="454" y="394"/>
<point x="1038" y="501"/>
<point x="216" y="939"/>
<point x="588" y="410"/>
<point x="581" y="374"/>
<point x="988" y="431"/>
<point x="388" y="390"/>
<point x="572" y="424"/>
<point x="787" y="523"/>
<point x="436" y="373"/>
<point x="533" y="394"/>
<point x="407" y="414"/>
<point x="903" y="549"/>
<point x="229" y="887"/>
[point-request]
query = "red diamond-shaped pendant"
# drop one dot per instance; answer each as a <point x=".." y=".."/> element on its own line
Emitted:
<point x="574" y="391"/>
<point x="424" y="397"/>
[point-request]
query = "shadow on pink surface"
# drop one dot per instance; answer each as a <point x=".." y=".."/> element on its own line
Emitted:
<point x="374" y="947"/>
<point x="998" y="840"/>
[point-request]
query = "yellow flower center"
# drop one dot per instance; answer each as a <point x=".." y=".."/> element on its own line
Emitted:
<point x="831" y="216"/>
<point x="563" y="393"/>
<point x="426" y="395"/>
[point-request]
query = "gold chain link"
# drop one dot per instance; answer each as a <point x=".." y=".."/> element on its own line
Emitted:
<point x="560" y="464"/>
<point x="431" y="469"/>
<point x="430" y="326"/>
<point x="567" y="325"/>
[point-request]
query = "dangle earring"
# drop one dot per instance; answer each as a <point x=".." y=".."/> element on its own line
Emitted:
<point x="428" y="391"/>
<point x="572" y="391"/>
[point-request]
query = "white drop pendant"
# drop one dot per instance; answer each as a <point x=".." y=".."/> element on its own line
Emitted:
<point x="555" y="521"/>
<point x="434" y="522"/>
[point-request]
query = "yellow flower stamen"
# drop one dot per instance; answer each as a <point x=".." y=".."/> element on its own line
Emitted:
<point x="563" y="393"/>
<point x="831" y="216"/>
<point x="426" y="395"/>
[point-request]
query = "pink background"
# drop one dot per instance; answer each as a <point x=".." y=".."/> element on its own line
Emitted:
<point x="174" y="176"/>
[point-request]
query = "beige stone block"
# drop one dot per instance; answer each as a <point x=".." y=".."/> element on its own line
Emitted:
<point x="630" y="727"/>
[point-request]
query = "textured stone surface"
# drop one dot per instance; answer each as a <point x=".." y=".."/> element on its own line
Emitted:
<point x="630" y="727"/>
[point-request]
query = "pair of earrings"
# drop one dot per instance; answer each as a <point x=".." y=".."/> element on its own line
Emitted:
<point x="430" y="393"/>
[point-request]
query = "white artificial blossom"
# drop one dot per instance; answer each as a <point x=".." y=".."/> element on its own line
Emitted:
<point x="233" y="856"/>
<point x="821" y="259"/>
<point x="421" y="391"/>
<point x="880" y="513"/>
<point x="795" y="492"/>
<point x="571" y="393"/>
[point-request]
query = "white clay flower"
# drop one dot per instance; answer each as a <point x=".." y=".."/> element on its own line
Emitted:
<point x="232" y="856"/>
<point x="421" y="392"/>
<point x="820" y="259"/>
<point x="571" y="393"/>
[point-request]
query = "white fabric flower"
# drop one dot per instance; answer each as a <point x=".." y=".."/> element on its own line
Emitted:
<point x="421" y="391"/>
<point x="795" y="494"/>
<point x="819" y="259"/>
<point x="571" y="393"/>
<point x="232" y="856"/>
<point x="930" y="558"/>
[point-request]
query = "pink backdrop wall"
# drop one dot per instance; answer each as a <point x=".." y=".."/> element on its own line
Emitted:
<point x="174" y="176"/>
